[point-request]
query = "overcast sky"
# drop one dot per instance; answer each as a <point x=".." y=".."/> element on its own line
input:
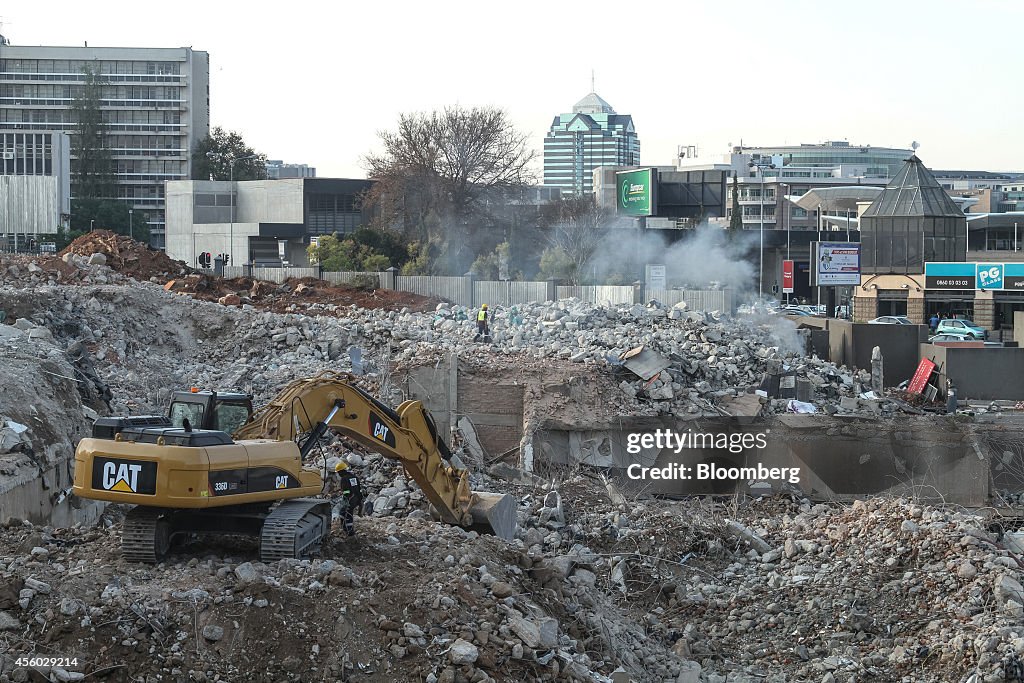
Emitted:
<point x="313" y="82"/>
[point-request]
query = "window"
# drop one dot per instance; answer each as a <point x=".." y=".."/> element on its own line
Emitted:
<point x="193" y="412"/>
<point x="230" y="416"/>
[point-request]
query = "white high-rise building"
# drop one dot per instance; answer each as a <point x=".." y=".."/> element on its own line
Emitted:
<point x="155" y="102"/>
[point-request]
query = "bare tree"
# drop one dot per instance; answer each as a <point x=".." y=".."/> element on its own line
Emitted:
<point x="436" y="171"/>
<point x="577" y="227"/>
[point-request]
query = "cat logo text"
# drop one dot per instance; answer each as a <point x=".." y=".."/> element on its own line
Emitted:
<point x="121" y="477"/>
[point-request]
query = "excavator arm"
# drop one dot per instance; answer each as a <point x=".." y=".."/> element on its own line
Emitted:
<point x="306" y="408"/>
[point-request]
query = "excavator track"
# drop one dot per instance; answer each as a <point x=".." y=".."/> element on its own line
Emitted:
<point x="145" y="535"/>
<point x="294" y="529"/>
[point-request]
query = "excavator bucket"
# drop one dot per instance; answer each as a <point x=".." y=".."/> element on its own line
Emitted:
<point x="494" y="513"/>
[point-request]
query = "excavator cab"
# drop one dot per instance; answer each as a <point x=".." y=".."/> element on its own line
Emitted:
<point x="224" y="412"/>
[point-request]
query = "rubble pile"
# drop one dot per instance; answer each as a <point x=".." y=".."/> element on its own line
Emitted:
<point x="597" y="586"/>
<point x="102" y="257"/>
<point x="705" y="359"/>
<point x="123" y="254"/>
<point x="296" y="295"/>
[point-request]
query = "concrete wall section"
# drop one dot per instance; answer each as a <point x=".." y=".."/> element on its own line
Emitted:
<point x="494" y="407"/>
<point x="850" y="344"/>
<point x="984" y="374"/>
<point x="836" y="459"/>
<point x="269" y="201"/>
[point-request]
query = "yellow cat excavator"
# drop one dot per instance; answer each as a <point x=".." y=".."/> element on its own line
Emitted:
<point x="186" y="474"/>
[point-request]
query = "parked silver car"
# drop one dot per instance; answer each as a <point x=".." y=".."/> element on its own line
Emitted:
<point x="891" y="320"/>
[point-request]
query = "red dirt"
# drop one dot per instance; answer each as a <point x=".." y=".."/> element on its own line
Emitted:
<point x="126" y="255"/>
<point x="298" y="293"/>
<point x="135" y="259"/>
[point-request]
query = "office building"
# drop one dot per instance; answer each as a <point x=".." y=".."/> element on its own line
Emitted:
<point x="35" y="185"/>
<point x="260" y="222"/>
<point x="590" y="136"/>
<point x="155" y="104"/>
<point x="277" y="169"/>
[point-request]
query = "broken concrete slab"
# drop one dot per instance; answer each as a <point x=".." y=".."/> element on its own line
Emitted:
<point x="746" y="534"/>
<point x="644" y="363"/>
<point x="471" y="441"/>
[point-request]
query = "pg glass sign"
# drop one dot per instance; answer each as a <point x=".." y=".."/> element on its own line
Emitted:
<point x="990" y="276"/>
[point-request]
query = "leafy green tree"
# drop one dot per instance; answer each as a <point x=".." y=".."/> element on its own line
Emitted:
<point x="736" y="220"/>
<point x="493" y="266"/>
<point x="485" y="267"/>
<point x="93" y="167"/>
<point x="214" y="153"/>
<point x="107" y="214"/>
<point x="421" y="256"/>
<point x="385" y="243"/>
<point x="334" y="254"/>
<point x="555" y="263"/>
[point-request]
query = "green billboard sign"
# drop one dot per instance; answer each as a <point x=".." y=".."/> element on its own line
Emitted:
<point x="636" y="192"/>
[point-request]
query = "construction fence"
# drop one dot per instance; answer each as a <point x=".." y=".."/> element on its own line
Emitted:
<point x="468" y="291"/>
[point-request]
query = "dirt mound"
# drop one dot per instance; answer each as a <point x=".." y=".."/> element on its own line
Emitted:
<point x="126" y="255"/>
<point x="296" y="295"/>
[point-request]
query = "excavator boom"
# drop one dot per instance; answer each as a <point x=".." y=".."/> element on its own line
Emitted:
<point x="329" y="400"/>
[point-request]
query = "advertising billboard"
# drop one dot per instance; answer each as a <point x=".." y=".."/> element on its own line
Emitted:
<point x="636" y="192"/>
<point x="787" y="277"/>
<point x="837" y="264"/>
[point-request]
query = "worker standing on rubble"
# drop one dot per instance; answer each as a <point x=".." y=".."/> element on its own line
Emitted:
<point x="351" y="497"/>
<point x="482" y="329"/>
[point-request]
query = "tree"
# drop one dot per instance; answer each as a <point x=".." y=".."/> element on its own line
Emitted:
<point x="555" y="264"/>
<point x="578" y="226"/>
<point x="736" y="220"/>
<point x="493" y="266"/>
<point x="107" y="214"/>
<point x="436" y="172"/>
<point x="94" y="167"/>
<point x="214" y="153"/>
<point x="385" y="243"/>
<point x="334" y="254"/>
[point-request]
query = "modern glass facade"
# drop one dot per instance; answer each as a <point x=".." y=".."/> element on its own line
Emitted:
<point x="155" y="104"/>
<point x="591" y="135"/>
<point x="882" y="162"/>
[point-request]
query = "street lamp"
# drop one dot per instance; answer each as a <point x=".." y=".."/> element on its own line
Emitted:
<point x="91" y="221"/>
<point x="760" y="166"/>
<point x="131" y="232"/>
<point x="786" y="219"/>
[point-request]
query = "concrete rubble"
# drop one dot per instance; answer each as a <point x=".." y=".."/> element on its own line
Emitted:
<point x="655" y="590"/>
<point x="596" y="585"/>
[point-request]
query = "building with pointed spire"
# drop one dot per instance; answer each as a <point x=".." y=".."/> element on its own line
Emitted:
<point x="590" y="136"/>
